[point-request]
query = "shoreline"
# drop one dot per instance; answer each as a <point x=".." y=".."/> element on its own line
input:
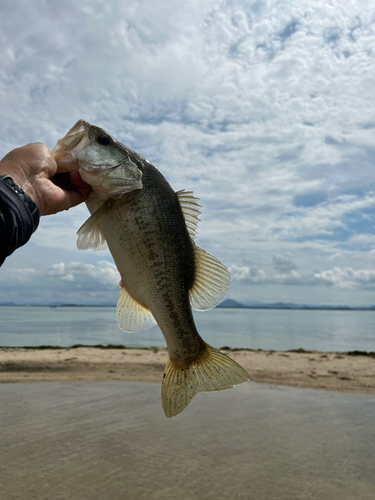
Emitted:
<point x="355" y="352"/>
<point x="352" y="372"/>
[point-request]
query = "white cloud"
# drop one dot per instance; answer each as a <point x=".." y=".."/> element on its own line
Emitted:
<point x="68" y="277"/>
<point x="103" y="272"/>
<point x="347" y="277"/>
<point x="338" y="277"/>
<point x="250" y="274"/>
<point x="362" y="240"/>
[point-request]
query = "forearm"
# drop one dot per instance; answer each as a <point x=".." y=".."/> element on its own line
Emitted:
<point x="19" y="217"/>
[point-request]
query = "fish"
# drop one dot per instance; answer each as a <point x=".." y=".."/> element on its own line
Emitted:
<point x="150" y="231"/>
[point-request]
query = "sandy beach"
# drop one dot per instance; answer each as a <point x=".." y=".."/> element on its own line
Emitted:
<point x="313" y="370"/>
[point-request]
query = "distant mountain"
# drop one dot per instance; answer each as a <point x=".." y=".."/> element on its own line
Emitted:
<point x="276" y="305"/>
<point x="230" y="303"/>
<point x="289" y="305"/>
<point x="227" y="303"/>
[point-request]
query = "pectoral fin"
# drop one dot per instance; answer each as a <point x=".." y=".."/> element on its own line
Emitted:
<point x="211" y="282"/>
<point x="89" y="234"/>
<point x="211" y="371"/>
<point x="131" y="315"/>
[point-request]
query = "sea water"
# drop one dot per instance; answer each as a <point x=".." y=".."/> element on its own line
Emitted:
<point x="268" y="329"/>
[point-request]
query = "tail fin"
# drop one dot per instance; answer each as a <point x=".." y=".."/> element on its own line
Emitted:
<point x="211" y="371"/>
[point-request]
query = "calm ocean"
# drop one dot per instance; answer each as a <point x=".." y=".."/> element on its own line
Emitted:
<point x="246" y="328"/>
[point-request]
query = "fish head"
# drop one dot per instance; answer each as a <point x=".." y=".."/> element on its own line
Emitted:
<point x="102" y="162"/>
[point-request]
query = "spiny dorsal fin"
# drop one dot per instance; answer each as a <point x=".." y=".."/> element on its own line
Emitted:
<point x="190" y="210"/>
<point x="211" y="371"/>
<point x="211" y="282"/>
<point x="89" y="234"/>
<point x="131" y="315"/>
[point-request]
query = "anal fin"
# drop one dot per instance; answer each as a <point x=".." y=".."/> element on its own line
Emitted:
<point x="211" y="371"/>
<point x="131" y="315"/>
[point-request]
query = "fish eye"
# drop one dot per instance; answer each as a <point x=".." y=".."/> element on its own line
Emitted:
<point x="104" y="140"/>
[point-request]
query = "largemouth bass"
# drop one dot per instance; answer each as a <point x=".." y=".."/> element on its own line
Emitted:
<point x="150" y="232"/>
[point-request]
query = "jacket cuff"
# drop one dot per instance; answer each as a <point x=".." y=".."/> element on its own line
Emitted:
<point x="28" y="201"/>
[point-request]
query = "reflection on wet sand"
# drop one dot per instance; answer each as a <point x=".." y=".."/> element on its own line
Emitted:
<point x="89" y="440"/>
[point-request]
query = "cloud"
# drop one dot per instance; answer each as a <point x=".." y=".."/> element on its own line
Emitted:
<point x="362" y="240"/>
<point x="103" y="272"/>
<point x="23" y="274"/>
<point x="252" y="274"/>
<point x="285" y="273"/>
<point x="283" y="266"/>
<point x="347" y="277"/>
<point x="67" y="282"/>
<point x="68" y="277"/>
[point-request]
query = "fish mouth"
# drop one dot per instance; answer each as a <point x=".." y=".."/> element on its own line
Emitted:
<point x="117" y="184"/>
<point x="97" y="167"/>
<point x="71" y="144"/>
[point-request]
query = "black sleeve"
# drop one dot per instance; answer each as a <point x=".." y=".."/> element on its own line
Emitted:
<point x="19" y="217"/>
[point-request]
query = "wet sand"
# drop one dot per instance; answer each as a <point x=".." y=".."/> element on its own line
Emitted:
<point x="110" y="440"/>
<point x="313" y="370"/>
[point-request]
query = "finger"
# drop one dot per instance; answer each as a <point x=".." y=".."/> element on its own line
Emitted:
<point x="63" y="200"/>
<point x="77" y="180"/>
<point x="79" y="185"/>
<point x="71" y="182"/>
<point x="74" y="198"/>
<point x="40" y="158"/>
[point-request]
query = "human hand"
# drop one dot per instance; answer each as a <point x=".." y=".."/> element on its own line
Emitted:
<point x="33" y="168"/>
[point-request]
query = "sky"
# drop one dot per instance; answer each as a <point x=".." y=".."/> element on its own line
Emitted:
<point x="265" y="109"/>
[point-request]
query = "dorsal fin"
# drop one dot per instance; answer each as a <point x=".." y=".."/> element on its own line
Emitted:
<point x="211" y="281"/>
<point x="89" y="234"/>
<point x="212" y="278"/>
<point x="190" y="210"/>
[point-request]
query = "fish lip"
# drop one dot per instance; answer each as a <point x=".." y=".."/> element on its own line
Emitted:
<point x="61" y="152"/>
<point x="89" y="167"/>
<point x="135" y="184"/>
<point x="80" y="126"/>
